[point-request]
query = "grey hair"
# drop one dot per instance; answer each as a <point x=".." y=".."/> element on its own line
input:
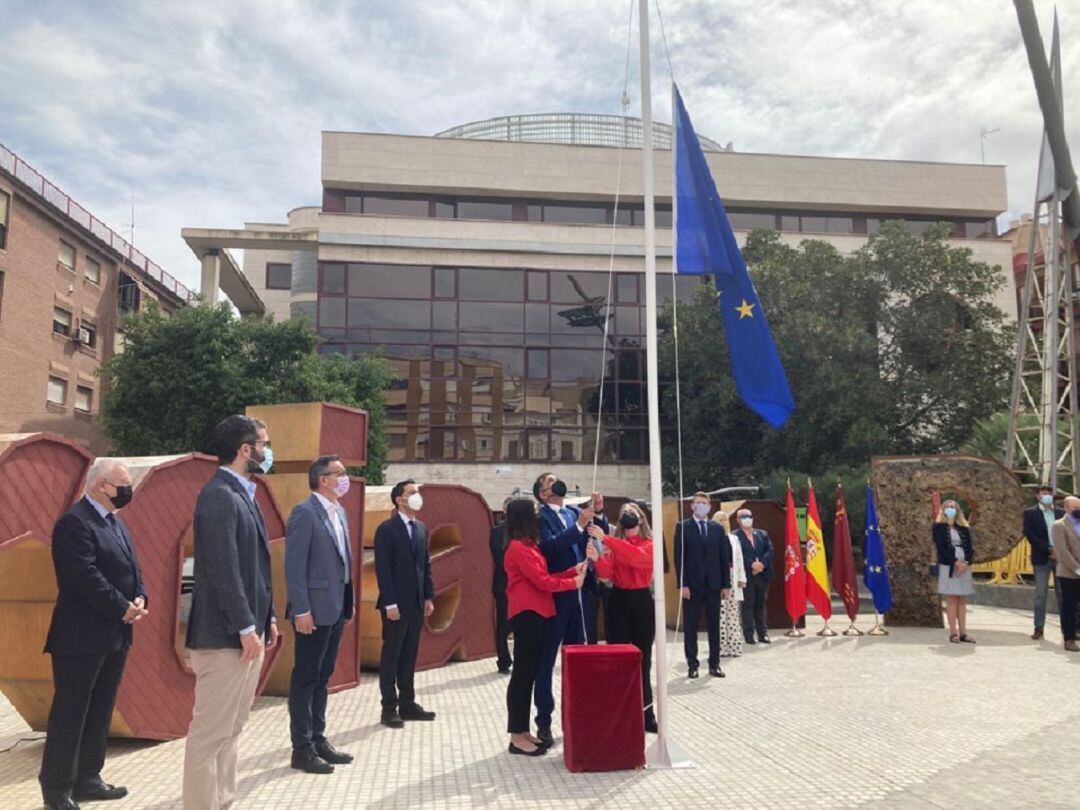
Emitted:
<point x="319" y="467"/>
<point x="102" y="469"/>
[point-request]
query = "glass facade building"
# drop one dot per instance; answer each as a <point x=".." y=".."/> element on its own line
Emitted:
<point x="499" y="364"/>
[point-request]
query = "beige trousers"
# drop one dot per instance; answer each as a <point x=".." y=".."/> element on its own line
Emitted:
<point x="224" y="689"/>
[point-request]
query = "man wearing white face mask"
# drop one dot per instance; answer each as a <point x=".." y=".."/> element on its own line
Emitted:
<point x="319" y="582"/>
<point x="406" y="598"/>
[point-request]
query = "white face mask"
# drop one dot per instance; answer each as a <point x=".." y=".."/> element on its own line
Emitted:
<point x="746" y="521"/>
<point x="342" y="486"/>
<point x="701" y="510"/>
<point x="416" y="501"/>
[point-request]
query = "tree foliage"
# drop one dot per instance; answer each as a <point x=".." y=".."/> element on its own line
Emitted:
<point x="178" y="376"/>
<point x="897" y="349"/>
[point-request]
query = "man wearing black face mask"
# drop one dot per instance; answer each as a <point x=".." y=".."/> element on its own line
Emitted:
<point x="101" y="595"/>
<point x="563" y="539"/>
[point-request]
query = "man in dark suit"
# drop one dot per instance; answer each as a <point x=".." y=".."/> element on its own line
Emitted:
<point x="1036" y="528"/>
<point x="232" y="611"/>
<point x="498" y="590"/>
<point x="562" y="542"/>
<point x="757" y="549"/>
<point x="100" y="596"/>
<point x="319" y="583"/>
<point x="703" y="574"/>
<point x="406" y="598"/>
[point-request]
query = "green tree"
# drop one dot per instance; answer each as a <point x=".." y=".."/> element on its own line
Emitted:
<point x="896" y="349"/>
<point x="178" y="376"/>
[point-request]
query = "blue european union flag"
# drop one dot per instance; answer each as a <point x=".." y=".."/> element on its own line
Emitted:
<point x="705" y="244"/>
<point x="876" y="572"/>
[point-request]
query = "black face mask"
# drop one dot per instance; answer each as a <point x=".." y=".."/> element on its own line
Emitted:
<point x="122" y="497"/>
<point x="628" y="520"/>
<point x="558" y="489"/>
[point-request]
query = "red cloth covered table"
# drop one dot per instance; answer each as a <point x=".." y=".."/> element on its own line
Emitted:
<point x="602" y="718"/>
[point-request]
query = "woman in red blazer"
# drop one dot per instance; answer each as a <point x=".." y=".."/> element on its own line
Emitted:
<point x="529" y="606"/>
<point x="627" y="561"/>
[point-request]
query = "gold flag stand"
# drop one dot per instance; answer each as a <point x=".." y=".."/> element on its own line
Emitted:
<point x="827" y="631"/>
<point x="795" y="632"/>
<point x="878" y="629"/>
<point x="853" y="630"/>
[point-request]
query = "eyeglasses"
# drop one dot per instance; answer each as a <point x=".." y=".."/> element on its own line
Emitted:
<point x="115" y="486"/>
<point x="257" y="442"/>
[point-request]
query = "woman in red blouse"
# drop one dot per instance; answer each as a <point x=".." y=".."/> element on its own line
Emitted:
<point x="529" y="606"/>
<point x="627" y="561"/>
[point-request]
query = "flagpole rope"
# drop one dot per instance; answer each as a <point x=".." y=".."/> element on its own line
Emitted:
<point x="624" y="100"/>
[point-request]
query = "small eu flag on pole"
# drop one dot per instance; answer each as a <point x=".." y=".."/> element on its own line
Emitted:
<point x="876" y="573"/>
<point x="705" y="244"/>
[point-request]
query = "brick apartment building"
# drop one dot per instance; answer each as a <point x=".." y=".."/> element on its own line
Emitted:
<point x="66" y="280"/>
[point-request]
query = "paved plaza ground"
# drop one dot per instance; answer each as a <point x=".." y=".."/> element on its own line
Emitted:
<point x="904" y="721"/>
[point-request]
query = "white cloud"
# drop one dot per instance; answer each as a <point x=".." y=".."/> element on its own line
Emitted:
<point x="210" y="112"/>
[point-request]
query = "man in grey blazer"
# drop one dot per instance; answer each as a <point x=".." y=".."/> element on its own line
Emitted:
<point x="232" y="611"/>
<point x="319" y="583"/>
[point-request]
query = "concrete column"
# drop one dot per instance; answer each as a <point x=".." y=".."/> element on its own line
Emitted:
<point x="211" y="278"/>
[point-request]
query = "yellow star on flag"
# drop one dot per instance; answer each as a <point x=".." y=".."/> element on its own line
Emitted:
<point x="746" y="310"/>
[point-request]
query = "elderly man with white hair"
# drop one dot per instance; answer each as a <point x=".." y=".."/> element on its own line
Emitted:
<point x="100" y="596"/>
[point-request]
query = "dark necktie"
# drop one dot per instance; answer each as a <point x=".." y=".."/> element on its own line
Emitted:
<point x="117" y="531"/>
<point x="412" y="535"/>
<point x="701" y="527"/>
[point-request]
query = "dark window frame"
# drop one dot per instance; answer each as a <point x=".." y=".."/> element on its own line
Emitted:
<point x="271" y="266"/>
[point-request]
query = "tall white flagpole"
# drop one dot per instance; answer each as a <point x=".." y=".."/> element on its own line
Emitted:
<point x="663" y="753"/>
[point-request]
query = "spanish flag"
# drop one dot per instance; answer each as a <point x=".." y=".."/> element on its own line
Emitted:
<point x="817" y="571"/>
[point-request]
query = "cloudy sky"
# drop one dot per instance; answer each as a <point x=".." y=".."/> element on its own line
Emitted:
<point x="210" y="112"/>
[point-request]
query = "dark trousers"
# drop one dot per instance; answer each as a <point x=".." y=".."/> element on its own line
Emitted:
<point x="565" y="629"/>
<point x="753" y="607"/>
<point x="316" y="655"/>
<point x="401" y="641"/>
<point x="530" y="630"/>
<point x="710" y="600"/>
<point x="591" y="602"/>
<point x="630" y="619"/>
<point x="502" y="632"/>
<point x="85" y="693"/>
<point x="1070" y="598"/>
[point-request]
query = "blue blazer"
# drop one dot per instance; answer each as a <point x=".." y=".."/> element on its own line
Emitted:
<point x="403" y="570"/>
<point x="314" y="568"/>
<point x="1034" y="529"/>
<point x="708" y="559"/>
<point x="760" y="550"/>
<point x="97" y="574"/>
<point x="946" y="552"/>
<point x="564" y="548"/>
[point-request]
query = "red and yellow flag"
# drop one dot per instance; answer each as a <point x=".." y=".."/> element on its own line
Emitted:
<point x="817" y="571"/>
<point x="794" y="573"/>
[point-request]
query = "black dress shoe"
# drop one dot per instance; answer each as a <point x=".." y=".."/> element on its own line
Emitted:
<point x="415" y="712"/>
<point x="751" y="640"/>
<point x="650" y="724"/>
<point x="539" y="751"/>
<point x="692" y="672"/>
<point x="765" y="640"/>
<point x="61" y="803"/>
<point x="392" y="720"/>
<point x="98" y="791"/>
<point x="326" y="751"/>
<point x="544" y="735"/>
<point x="310" y="762"/>
<point x="717" y="672"/>
<point x="504" y="670"/>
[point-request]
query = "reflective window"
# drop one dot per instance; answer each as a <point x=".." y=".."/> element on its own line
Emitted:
<point x="91" y="270"/>
<point x="84" y="399"/>
<point x="476" y="284"/>
<point x="5" y="205"/>
<point x="394" y="206"/>
<point x="585" y="214"/>
<point x="66" y="256"/>
<point x="354" y="204"/>
<point x="445" y="282"/>
<point x="389" y="314"/>
<point x="789" y="222"/>
<point x="390" y="280"/>
<point x="627" y="286"/>
<point x="578" y="287"/>
<point x="61" y="322"/>
<point x="748" y="220"/>
<point x="536" y="319"/>
<point x="278" y="276"/>
<point x="538" y="285"/>
<point x="56" y="393"/>
<point x="331" y="312"/>
<point x="471" y="209"/>
<point x="333" y="279"/>
<point x="537" y="364"/>
<point x="444" y="315"/>
<point x="445" y="210"/>
<point x="486" y="317"/>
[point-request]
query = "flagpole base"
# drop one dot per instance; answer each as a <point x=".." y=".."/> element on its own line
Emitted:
<point x="827" y="631"/>
<point x="795" y="632"/>
<point x="853" y="631"/>
<point x="665" y="753"/>
<point x="877" y="630"/>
